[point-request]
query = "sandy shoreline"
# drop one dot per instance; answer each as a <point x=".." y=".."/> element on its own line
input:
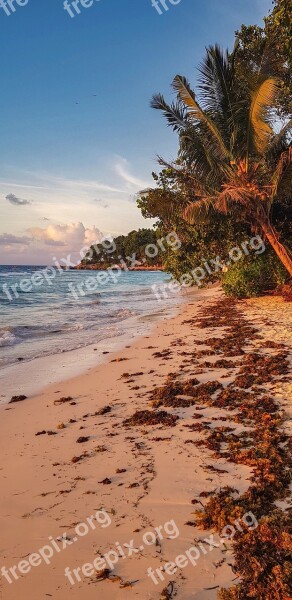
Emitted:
<point x="31" y="377"/>
<point x="45" y="495"/>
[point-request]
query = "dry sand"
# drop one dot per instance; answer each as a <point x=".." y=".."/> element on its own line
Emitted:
<point x="43" y="493"/>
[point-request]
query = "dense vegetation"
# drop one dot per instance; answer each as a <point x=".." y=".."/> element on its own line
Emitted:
<point x="126" y="249"/>
<point x="232" y="176"/>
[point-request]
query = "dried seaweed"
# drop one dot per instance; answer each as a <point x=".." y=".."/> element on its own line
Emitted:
<point x="18" y="398"/>
<point x="148" y="417"/>
<point x="262" y="556"/>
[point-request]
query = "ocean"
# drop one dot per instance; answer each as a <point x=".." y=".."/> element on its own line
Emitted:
<point x="47" y="319"/>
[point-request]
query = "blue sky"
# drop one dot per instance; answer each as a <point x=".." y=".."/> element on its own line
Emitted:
<point x="78" y="137"/>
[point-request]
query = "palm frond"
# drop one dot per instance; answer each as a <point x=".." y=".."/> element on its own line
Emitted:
<point x="216" y="84"/>
<point x="199" y="211"/>
<point x="187" y="96"/>
<point x="262" y="98"/>
<point x="197" y="156"/>
<point x="175" y="113"/>
<point x="282" y="177"/>
<point x="280" y="141"/>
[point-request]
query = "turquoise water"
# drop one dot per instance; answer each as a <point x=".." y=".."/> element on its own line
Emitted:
<point x="48" y="319"/>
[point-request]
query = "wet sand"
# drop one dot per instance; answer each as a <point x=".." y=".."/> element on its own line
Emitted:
<point x="64" y="461"/>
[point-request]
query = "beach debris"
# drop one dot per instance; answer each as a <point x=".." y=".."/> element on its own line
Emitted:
<point x="260" y="552"/>
<point x="207" y="494"/>
<point x="103" y="574"/>
<point x="220" y="364"/>
<point x="215" y="470"/>
<point x="63" y="400"/>
<point x="168" y="592"/>
<point x="104" y="410"/>
<point x="258" y="369"/>
<point x="161" y="439"/>
<point x="148" y="417"/>
<point x="108" y="575"/>
<point x="77" y="459"/>
<point x="165" y="354"/>
<point x="182" y="395"/>
<point x="128" y="584"/>
<point x="127" y="375"/>
<point x="100" y="449"/>
<point x="119" y="359"/>
<point x="18" y="398"/>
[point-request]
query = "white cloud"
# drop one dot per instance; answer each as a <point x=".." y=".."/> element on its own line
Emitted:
<point x="44" y="245"/>
<point x="63" y="210"/>
<point x="122" y="169"/>
<point x="72" y="235"/>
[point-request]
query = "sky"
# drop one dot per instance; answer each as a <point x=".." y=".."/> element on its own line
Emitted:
<point x="78" y="138"/>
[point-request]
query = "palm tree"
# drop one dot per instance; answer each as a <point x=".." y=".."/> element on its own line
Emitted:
<point x="230" y="157"/>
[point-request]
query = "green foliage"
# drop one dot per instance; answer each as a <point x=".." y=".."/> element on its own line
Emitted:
<point x="253" y="44"/>
<point x="199" y="243"/>
<point x="232" y="176"/>
<point x="254" y="276"/>
<point x="231" y="162"/>
<point x="124" y="247"/>
<point x="202" y="243"/>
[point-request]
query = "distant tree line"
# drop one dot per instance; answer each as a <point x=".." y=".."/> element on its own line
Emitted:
<point x="138" y="246"/>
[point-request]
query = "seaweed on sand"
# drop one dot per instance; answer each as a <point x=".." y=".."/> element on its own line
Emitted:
<point x="148" y="417"/>
<point x="168" y="592"/>
<point x="170" y="394"/>
<point x="258" y="369"/>
<point x="261" y="552"/>
<point x="18" y="398"/>
<point x="63" y="400"/>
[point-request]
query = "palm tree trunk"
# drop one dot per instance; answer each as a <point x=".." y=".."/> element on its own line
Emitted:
<point x="282" y="252"/>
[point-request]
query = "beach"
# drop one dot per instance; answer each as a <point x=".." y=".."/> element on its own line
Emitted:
<point x="46" y="321"/>
<point x="87" y="477"/>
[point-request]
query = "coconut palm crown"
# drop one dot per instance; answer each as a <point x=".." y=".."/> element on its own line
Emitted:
<point x="230" y="157"/>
